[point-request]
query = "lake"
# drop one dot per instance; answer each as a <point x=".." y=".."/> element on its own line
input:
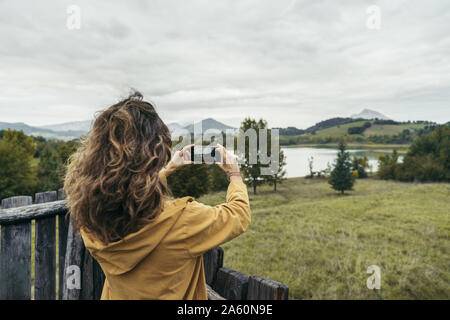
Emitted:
<point x="297" y="159"/>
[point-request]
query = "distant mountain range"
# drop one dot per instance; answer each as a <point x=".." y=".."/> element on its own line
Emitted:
<point x="67" y="134"/>
<point x="72" y="130"/>
<point x="82" y="126"/>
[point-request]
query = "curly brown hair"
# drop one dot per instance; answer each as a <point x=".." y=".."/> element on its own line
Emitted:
<point x="112" y="182"/>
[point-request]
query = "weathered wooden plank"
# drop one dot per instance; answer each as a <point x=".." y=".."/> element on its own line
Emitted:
<point x="260" y="288"/>
<point x="45" y="259"/>
<point x="212" y="295"/>
<point x="87" y="282"/>
<point x="99" y="280"/>
<point x="212" y="260"/>
<point x="18" y="201"/>
<point x="42" y="197"/>
<point x="34" y="211"/>
<point x="231" y="284"/>
<point x="73" y="266"/>
<point x="15" y="262"/>
<point x="15" y="254"/>
<point x="61" y="194"/>
<point x="45" y="252"/>
<point x="63" y="229"/>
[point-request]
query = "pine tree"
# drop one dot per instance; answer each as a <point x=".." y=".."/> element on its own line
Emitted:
<point x="341" y="177"/>
<point x="252" y="171"/>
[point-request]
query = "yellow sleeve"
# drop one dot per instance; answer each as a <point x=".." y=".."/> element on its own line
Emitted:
<point x="206" y="227"/>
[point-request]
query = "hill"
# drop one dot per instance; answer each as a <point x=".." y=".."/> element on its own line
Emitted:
<point x="360" y="131"/>
<point x="329" y="123"/>
<point x="43" y="132"/>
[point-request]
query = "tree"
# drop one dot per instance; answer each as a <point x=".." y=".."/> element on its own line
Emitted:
<point x="388" y="166"/>
<point x="64" y="150"/>
<point x="279" y="173"/>
<point x="428" y="158"/>
<point x="48" y="172"/>
<point x="252" y="171"/>
<point x="341" y="177"/>
<point x="17" y="175"/>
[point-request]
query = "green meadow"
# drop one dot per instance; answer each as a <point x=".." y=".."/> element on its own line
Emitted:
<point x="375" y="129"/>
<point x="320" y="244"/>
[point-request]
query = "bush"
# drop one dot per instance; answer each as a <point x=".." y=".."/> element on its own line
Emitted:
<point x="388" y="166"/>
<point x="218" y="178"/>
<point x="191" y="180"/>
<point x="359" y="165"/>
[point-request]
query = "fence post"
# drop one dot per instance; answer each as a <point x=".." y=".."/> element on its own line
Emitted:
<point x="231" y="284"/>
<point x="61" y="194"/>
<point x="63" y="229"/>
<point x="73" y="263"/>
<point x="15" y="255"/>
<point x="45" y="252"/>
<point x="14" y="202"/>
<point x="212" y="260"/>
<point x="260" y="288"/>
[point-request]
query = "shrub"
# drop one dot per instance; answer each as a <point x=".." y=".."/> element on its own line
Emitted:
<point x="360" y="165"/>
<point x="191" y="180"/>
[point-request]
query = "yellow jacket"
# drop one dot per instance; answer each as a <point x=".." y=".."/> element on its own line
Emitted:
<point x="163" y="260"/>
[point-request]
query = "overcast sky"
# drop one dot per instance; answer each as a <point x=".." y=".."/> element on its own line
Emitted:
<point x="290" y="62"/>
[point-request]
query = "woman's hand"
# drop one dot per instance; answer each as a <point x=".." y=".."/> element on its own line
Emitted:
<point x="229" y="163"/>
<point x="180" y="158"/>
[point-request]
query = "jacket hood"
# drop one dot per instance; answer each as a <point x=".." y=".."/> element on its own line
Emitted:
<point x="122" y="256"/>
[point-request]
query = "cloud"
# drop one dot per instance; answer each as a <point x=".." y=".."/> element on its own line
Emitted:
<point x="291" y="62"/>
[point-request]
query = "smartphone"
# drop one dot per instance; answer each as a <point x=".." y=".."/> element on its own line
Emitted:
<point x="205" y="154"/>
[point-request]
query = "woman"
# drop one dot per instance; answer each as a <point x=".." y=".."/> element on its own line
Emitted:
<point x="148" y="245"/>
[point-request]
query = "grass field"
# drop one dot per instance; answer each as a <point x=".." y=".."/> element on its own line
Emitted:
<point x="340" y="130"/>
<point x="374" y="130"/>
<point x="390" y="129"/>
<point x="320" y="244"/>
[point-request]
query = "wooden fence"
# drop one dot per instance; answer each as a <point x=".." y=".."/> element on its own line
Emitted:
<point x="57" y="247"/>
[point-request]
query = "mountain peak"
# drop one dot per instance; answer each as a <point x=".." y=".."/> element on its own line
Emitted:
<point x="369" y="115"/>
<point x="209" y="124"/>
